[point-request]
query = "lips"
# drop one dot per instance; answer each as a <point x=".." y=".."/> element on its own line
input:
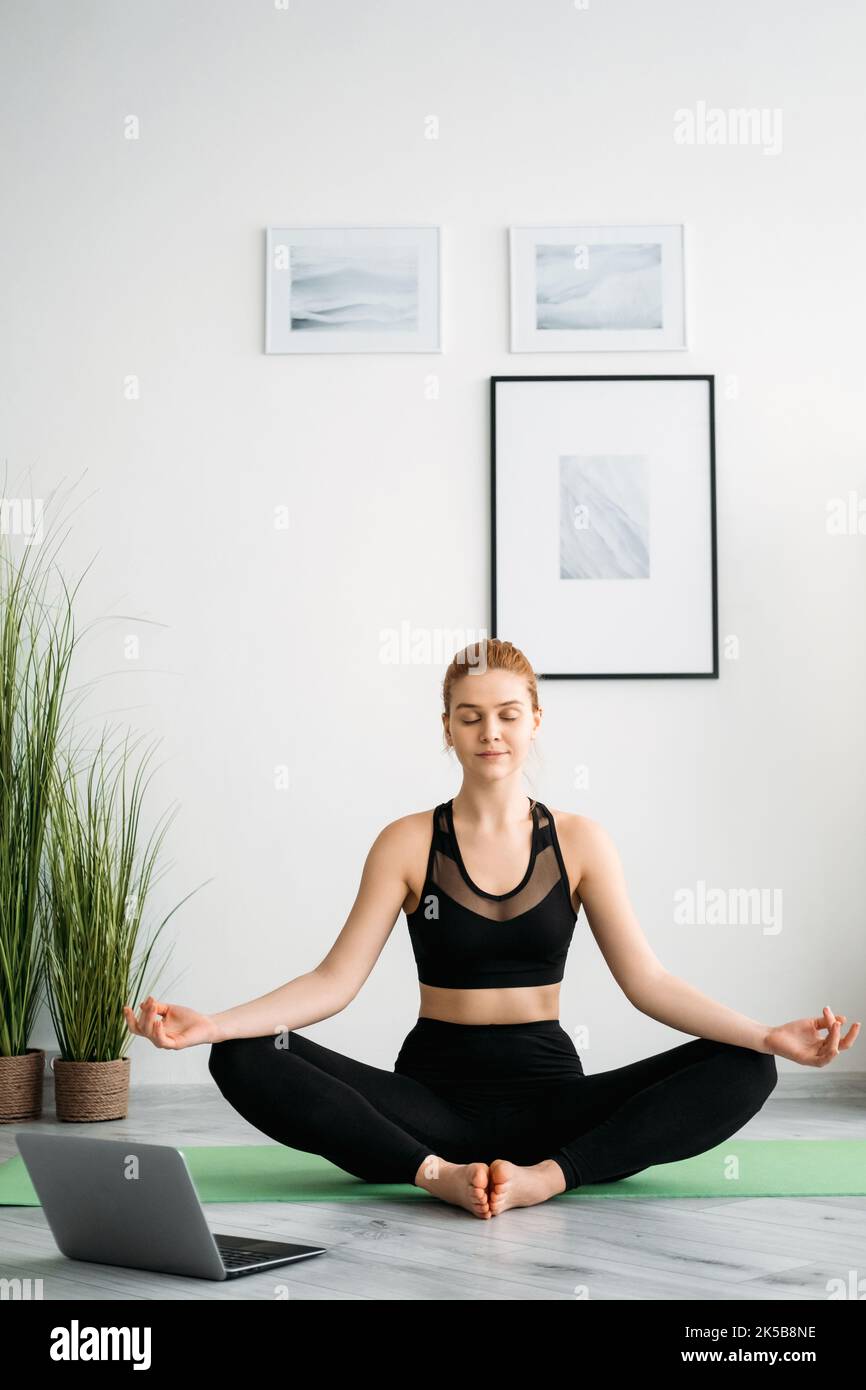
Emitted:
<point x="492" y="755"/>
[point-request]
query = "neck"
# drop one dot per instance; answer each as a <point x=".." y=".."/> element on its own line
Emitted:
<point x="492" y="807"/>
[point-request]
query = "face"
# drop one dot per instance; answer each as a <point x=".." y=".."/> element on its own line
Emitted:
<point x="491" y="713"/>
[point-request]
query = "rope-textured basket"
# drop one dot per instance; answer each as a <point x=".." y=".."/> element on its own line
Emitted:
<point x="91" y="1090"/>
<point x="21" y="1081"/>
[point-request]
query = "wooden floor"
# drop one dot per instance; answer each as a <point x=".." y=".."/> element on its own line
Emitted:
<point x="695" y="1248"/>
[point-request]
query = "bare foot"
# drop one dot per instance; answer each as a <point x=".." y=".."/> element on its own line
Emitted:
<point x="513" y="1186"/>
<point x="461" y="1184"/>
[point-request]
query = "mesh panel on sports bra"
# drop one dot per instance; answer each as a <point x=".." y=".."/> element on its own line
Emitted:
<point x="448" y="874"/>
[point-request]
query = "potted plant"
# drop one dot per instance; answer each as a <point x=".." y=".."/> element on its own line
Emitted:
<point x="36" y="644"/>
<point x="97" y="886"/>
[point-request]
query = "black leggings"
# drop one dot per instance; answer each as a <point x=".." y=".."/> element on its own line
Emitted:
<point x="466" y="1092"/>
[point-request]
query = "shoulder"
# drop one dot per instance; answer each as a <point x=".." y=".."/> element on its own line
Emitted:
<point x="405" y="838"/>
<point x="582" y="840"/>
<point x="410" y="827"/>
<point x="399" y="848"/>
<point x="572" y="827"/>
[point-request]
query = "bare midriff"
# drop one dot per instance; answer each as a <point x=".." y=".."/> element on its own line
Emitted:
<point x="517" y="1004"/>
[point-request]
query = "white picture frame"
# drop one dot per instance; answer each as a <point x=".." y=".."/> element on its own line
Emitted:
<point x="353" y="289"/>
<point x="592" y="288"/>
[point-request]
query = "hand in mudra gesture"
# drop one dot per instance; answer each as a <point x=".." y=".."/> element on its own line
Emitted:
<point x="801" y="1040"/>
<point x="170" y="1025"/>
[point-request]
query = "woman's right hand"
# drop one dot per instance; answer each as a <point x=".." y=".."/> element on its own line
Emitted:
<point x="171" y="1025"/>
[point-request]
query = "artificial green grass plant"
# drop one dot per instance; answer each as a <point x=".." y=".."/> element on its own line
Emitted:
<point x="97" y="885"/>
<point x="36" y="644"/>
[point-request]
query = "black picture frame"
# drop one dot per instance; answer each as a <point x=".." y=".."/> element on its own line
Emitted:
<point x="709" y="380"/>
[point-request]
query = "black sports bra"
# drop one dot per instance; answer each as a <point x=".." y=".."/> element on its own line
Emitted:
<point x="465" y="938"/>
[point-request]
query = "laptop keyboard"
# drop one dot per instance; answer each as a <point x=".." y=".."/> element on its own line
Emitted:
<point x="233" y="1258"/>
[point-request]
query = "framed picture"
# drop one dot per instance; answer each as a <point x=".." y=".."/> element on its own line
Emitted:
<point x="604" y="524"/>
<point x="352" y="289"/>
<point x="597" y="289"/>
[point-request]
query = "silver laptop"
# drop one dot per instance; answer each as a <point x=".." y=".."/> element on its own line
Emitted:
<point x="116" y="1202"/>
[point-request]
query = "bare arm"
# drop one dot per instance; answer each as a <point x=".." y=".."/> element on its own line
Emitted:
<point x="632" y="962"/>
<point x="306" y="999"/>
<point x="333" y="984"/>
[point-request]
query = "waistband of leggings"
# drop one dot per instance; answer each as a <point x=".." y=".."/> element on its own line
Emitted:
<point x="444" y="1025"/>
<point x="488" y="1057"/>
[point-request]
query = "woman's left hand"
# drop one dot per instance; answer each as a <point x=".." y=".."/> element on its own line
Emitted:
<point x="800" y="1040"/>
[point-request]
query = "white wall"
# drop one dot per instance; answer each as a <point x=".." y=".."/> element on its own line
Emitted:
<point x="146" y="257"/>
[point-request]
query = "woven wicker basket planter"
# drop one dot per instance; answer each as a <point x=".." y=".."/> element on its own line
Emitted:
<point x="91" y="1090"/>
<point x="21" y="1080"/>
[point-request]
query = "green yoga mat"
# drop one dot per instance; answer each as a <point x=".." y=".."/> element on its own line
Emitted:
<point x="737" y="1168"/>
